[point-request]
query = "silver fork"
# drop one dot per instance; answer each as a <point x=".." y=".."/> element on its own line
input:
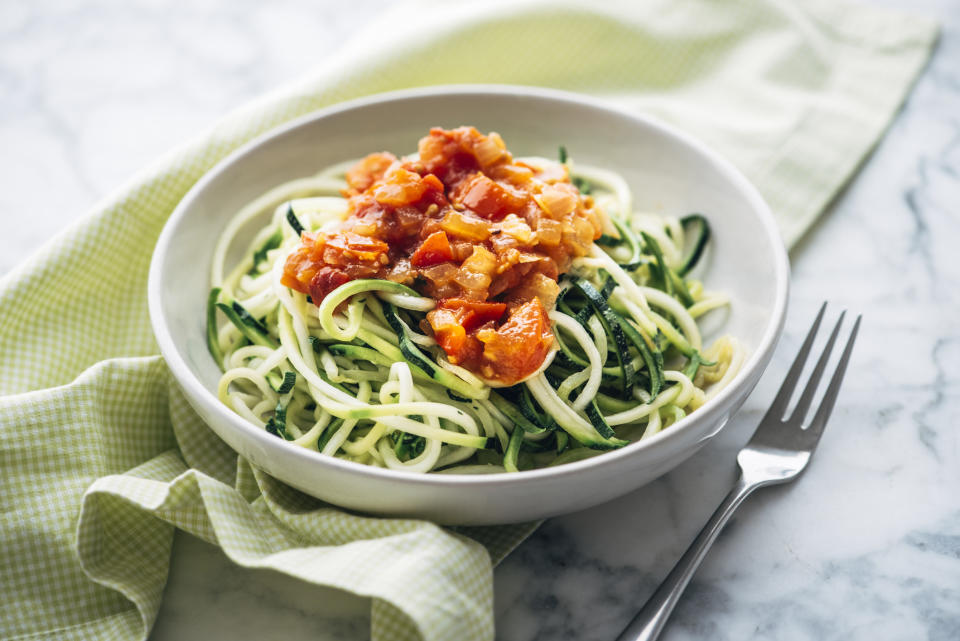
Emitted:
<point x="778" y="452"/>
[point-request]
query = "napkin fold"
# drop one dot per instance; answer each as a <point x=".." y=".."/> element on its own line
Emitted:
<point x="101" y="457"/>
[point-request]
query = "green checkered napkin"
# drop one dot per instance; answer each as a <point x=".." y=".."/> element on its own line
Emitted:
<point x="101" y="458"/>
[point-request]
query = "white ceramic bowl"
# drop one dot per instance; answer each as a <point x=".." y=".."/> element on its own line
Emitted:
<point x="668" y="171"/>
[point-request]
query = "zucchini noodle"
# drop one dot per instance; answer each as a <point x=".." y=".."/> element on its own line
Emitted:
<point x="356" y="378"/>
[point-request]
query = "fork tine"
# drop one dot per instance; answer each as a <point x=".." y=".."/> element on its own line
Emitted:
<point x="826" y="406"/>
<point x="779" y="405"/>
<point x="808" y="392"/>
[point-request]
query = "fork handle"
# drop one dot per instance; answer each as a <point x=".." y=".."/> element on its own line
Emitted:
<point x="648" y="623"/>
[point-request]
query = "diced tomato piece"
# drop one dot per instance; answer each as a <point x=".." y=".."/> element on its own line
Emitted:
<point x="435" y="249"/>
<point x="369" y="170"/>
<point x="473" y="314"/>
<point x="299" y="269"/>
<point x="454" y="322"/>
<point x="519" y="346"/>
<point x="450" y="333"/>
<point x="432" y="182"/>
<point x="325" y="281"/>
<point x="449" y="153"/>
<point x="361" y="247"/>
<point x="447" y="329"/>
<point x="488" y="197"/>
<point x="403" y="187"/>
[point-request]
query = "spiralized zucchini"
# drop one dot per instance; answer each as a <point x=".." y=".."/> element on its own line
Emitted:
<point x="356" y="379"/>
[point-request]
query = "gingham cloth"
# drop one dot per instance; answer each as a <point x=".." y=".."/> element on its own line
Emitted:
<point x="101" y="458"/>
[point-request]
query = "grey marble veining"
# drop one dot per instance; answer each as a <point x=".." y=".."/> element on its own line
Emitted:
<point x="866" y="546"/>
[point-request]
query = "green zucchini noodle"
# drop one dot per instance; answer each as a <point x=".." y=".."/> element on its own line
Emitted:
<point x="356" y="379"/>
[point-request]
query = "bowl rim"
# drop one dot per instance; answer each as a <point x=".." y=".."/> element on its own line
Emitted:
<point x="758" y="359"/>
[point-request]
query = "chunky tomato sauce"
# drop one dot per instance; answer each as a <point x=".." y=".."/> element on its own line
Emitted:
<point x="464" y="223"/>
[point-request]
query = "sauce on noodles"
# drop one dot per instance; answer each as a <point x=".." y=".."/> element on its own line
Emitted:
<point x="463" y="222"/>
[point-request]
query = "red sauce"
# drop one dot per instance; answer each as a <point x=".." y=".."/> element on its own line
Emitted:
<point x="484" y="234"/>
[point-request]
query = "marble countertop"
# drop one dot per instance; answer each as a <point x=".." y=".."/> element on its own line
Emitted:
<point x="865" y="546"/>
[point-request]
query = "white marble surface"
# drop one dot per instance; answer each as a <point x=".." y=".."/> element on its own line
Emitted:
<point x="865" y="546"/>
